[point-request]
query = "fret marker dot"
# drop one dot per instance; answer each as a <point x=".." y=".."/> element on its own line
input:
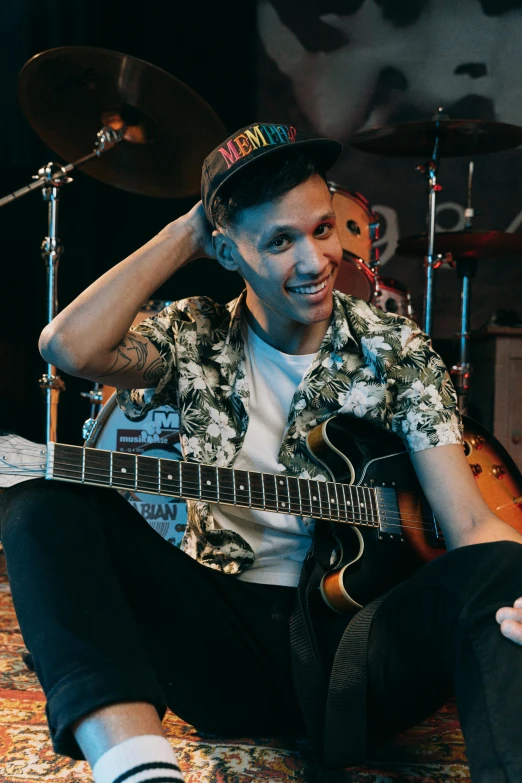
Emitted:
<point x="209" y="482"/>
<point x="348" y="503"/>
<point x="362" y="505"/>
<point x="314" y="497"/>
<point x="283" y="503"/>
<point x="281" y="482"/>
<point x="332" y="500"/>
<point x="169" y="476"/>
<point x="241" y="486"/>
<point x="124" y="470"/>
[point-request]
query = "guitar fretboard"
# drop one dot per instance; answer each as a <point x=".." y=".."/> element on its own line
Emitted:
<point x="266" y="491"/>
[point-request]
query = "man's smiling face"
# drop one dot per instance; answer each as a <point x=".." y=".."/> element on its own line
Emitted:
<point x="288" y="252"/>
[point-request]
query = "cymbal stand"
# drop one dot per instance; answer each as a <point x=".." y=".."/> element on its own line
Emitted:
<point x="431" y="262"/>
<point x="466" y="270"/>
<point x="50" y="179"/>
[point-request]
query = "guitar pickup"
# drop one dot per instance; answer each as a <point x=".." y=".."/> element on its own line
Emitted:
<point x="389" y="512"/>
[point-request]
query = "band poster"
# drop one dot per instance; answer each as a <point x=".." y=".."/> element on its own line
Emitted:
<point x="335" y="67"/>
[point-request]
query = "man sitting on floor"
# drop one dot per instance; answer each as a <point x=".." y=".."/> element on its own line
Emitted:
<point x="121" y="624"/>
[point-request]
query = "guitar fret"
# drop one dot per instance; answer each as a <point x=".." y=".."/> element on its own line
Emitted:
<point x="191" y="480"/>
<point x="226" y="486"/>
<point x="256" y="489"/>
<point x="294" y="495"/>
<point x="83" y="464"/>
<point x="280" y="485"/>
<point x="362" y="505"/>
<point x="208" y="487"/>
<point x="123" y="470"/>
<point x="270" y="496"/>
<point x="249" y="490"/>
<point x="241" y="487"/>
<point x="170" y="476"/>
<point x="347" y="516"/>
<point x="370" y="492"/>
<point x="333" y="505"/>
<point x="337" y="500"/>
<point x="326" y="511"/>
<point x="97" y="467"/>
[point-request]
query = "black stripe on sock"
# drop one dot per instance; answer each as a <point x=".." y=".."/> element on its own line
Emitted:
<point x="152" y="765"/>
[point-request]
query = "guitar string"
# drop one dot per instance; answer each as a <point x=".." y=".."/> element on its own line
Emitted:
<point x="406" y="516"/>
<point x="361" y="514"/>
<point x="194" y="486"/>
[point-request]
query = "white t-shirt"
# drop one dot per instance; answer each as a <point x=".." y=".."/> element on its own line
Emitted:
<point x="280" y="541"/>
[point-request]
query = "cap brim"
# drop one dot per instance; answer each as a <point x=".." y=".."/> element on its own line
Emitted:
<point x="327" y="152"/>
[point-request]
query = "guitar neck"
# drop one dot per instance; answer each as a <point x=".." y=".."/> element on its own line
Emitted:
<point x="190" y="480"/>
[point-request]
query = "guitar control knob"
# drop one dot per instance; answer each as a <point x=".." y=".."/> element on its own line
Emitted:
<point x="476" y="469"/>
<point x="498" y="471"/>
<point x="477" y="441"/>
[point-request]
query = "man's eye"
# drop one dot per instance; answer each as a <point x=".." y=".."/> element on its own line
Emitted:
<point x="279" y="242"/>
<point x="323" y="229"/>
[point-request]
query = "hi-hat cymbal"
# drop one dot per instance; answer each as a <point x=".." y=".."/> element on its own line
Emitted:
<point x="463" y="244"/>
<point x="68" y="93"/>
<point x="456" y="137"/>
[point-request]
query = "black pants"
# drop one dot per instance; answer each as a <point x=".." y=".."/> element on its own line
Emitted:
<point x="113" y="613"/>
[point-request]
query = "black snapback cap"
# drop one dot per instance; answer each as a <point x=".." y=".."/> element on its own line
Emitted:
<point x="252" y="142"/>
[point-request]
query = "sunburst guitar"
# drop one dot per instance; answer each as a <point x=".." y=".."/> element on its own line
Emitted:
<point x="373" y="504"/>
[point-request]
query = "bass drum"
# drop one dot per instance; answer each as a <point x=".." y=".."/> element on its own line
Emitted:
<point x="358" y="227"/>
<point x="157" y="435"/>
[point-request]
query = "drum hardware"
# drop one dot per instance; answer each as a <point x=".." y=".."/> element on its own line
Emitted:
<point x="66" y="94"/>
<point x="50" y="179"/>
<point x="438" y="137"/>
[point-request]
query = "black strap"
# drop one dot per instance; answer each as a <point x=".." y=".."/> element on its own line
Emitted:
<point x="345" y="716"/>
<point x="334" y="710"/>
<point x="309" y="676"/>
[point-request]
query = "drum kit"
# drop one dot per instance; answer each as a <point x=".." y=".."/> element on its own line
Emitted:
<point x="130" y="124"/>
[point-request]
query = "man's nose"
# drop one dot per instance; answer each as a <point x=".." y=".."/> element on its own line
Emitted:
<point x="312" y="260"/>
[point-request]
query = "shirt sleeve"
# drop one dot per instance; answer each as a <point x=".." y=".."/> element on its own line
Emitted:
<point x="424" y="401"/>
<point x="136" y="403"/>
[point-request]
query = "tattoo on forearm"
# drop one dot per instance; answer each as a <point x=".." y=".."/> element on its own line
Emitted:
<point x="132" y="355"/>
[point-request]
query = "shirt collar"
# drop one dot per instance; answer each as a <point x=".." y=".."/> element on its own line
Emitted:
<point x="337" y="336"/>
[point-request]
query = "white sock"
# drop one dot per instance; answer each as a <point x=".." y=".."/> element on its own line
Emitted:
<point x="148" y="757"/>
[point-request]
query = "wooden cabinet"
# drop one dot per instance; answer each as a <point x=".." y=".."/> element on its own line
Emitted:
<point x="496" y="385"/>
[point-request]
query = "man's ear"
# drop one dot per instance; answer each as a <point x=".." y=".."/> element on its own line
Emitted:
<point x="226" y="250"/>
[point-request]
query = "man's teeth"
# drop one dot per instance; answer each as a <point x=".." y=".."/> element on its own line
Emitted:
<point x="309" y="289"/>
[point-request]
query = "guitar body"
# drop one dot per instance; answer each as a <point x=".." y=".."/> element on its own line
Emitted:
<point x="371" y="561"/>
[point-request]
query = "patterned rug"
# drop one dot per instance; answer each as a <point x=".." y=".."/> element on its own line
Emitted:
<point x="432" y="752"/>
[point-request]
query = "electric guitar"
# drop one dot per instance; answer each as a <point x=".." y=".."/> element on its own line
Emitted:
<point x="381" y="522"/>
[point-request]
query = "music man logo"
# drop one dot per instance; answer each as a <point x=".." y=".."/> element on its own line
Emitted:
<point x="255" y="137"/>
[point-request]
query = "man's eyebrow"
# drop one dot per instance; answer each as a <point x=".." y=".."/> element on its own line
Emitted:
<point x="279" y="229"/>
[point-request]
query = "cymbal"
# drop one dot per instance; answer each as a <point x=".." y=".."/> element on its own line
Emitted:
<point x="68" y="93"/>
<point x="456" y="137"/>
<point x="463" y="244"/>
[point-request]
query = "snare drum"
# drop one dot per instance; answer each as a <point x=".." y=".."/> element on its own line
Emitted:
<point x="157" y="435"/>
<point x="358" y="227"/>
<point x="152" y="307"/>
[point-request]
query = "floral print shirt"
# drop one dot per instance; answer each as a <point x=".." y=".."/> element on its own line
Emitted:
<point x="371" y="364"/>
